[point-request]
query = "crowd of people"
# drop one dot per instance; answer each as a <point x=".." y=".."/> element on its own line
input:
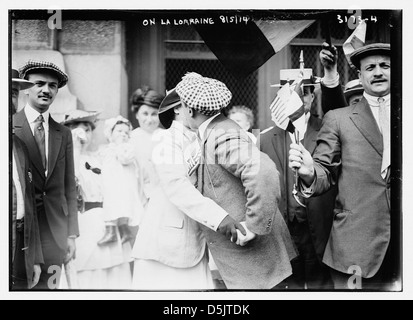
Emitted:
<point x="153" y="207"/>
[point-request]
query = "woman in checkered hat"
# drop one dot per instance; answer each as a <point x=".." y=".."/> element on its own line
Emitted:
<point x="170" y="252"/>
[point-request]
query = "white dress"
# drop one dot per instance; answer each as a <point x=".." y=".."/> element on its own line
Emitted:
<point x="160" y="264"/>
<point x="122" y="184"/>
<point x="145" y="144"/>
<point x="98" y="267"/>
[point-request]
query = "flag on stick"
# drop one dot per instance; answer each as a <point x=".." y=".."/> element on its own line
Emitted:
<point x="244" y="47"/>
<point x="356" y="40"/>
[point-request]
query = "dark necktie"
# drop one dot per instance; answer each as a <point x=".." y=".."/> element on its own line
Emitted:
<point x="39" y="136"/>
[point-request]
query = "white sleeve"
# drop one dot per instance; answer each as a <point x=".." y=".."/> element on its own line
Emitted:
<point x="172" y="171"/>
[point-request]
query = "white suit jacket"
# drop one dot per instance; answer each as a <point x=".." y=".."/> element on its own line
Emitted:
<point x="169" y="232"/>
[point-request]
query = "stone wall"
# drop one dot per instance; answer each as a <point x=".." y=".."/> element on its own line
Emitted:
<point x="91" y="52"/>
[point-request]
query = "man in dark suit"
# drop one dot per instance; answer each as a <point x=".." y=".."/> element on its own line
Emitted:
<point x="353" y="152"/>
<point x="51" y="154"/>
<point x="26" y="249"/>
<point x="244" y="182"/>
<point x="308" y="220"/>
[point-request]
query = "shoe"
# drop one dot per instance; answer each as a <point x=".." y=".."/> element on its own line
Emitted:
<point x="125" y="233"/>
<point x="109" y="236"/>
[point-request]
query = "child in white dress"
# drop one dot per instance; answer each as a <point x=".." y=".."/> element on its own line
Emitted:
<point x="122" y="182"/>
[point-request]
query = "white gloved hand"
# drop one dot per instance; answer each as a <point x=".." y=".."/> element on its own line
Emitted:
<point x="243" y="240"/>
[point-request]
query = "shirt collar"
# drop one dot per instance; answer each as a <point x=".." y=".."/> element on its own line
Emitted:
<point x="184" y="130"/>
<point x="374" y="101"/>
<point x="202" y="128"/>
<point x="32" y="114"/>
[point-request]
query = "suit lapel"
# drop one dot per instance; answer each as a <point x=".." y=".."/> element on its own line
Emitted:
<point x="365" y="122"/>
<point x="22" y="130"/>
<point x="55" y="141"/>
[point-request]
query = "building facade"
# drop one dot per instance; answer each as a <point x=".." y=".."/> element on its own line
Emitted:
<point x="110" y="53"/>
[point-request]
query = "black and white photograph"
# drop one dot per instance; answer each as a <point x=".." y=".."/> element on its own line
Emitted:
<point x="214" y="152"/>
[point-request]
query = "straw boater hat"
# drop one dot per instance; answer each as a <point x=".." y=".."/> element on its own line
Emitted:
<point x="369" y="50"/>
<point x="76" y="116"/>
<point x="206" y="95"/>
<point x="24" y="84"/>
<point x="291" y="75"/>
<point x="33" y="66"/>
<point x="353" y="87"/>
<point x="166" y="112"/>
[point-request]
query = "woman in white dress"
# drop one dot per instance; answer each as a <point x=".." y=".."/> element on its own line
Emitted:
<point x="144" y="105"/>
<point x="98" y="267"/>
<point x="170" y="252"/>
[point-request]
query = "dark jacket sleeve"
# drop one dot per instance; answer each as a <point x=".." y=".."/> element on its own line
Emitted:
<point x="70" y="188"/>
<point x="332" y="98"/>
<point x="258" y="175"/>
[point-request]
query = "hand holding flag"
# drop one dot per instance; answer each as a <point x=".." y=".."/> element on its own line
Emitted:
<point x="287" y="112"/>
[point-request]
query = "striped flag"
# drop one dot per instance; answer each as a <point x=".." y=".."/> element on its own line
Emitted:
<point x="287" y="110"/>
<point x="244" y="47"/>
<point x="356" y="40"/>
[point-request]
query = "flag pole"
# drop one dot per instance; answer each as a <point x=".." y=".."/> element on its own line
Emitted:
<point x="297" y="138"/>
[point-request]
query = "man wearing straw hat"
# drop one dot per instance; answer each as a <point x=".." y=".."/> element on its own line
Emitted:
<point x="308" y="220"/>
<point x="353" y="151"/>
<point x="244" y="182"/>
<point x="26" y="248"/>
<point x="51" y="153"/>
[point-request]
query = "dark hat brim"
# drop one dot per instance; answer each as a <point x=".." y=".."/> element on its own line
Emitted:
<point x="165" y="112"/>
<point x="369" y="50"/>
<point x="91" y="118"/>
<point x="23" y="84"/>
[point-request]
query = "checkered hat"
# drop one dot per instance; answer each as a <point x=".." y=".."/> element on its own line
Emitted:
<point x="33" y="65"/>
<point x="206" y="95"/>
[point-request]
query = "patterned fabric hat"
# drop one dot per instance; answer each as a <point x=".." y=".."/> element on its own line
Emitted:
<point x="206" y="95"/>
<point x="34" y="65"/>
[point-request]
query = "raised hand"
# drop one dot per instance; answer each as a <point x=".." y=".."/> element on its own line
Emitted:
<point x="328" y="56"/>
